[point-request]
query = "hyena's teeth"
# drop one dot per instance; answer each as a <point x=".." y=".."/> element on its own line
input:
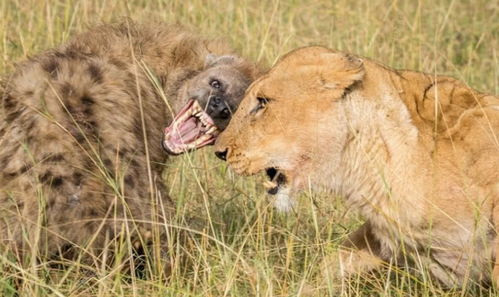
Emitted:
<point x="201" y="139"/>
<point x="195" y="106"/>
<point x="183" y="117"/>
<point x="211" y="130"/>
<point x="205" y="120"/>
<point x="269" y="184"/>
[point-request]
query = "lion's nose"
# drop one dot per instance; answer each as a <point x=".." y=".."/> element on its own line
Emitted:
<point x="222" y="154"/>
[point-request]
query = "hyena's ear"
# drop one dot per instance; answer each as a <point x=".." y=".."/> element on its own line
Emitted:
<point x="212" y="60"/>
<point x="248" y="69"/>
<point x="338" y="71"/>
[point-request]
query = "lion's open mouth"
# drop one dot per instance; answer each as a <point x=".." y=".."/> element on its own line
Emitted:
<point x="192" y="128"/>
<point x="277" y="179"/>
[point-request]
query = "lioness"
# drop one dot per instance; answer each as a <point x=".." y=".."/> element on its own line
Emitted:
<point x="417" y="155"/>
<point x="81" y="126"/>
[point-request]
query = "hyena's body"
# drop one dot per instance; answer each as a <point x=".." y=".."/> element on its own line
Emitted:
<point x="80" y="135"/>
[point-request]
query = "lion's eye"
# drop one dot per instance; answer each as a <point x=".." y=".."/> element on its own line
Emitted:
<point x="215" y="84"/>
<point x="262" y="102"/>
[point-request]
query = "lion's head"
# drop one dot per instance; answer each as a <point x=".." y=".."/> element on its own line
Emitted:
<point x="290" y="117"/>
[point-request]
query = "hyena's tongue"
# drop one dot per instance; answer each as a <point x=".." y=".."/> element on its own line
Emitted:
<point x="192" y="128"/>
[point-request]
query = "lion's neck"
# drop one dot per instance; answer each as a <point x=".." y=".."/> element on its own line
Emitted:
<point x="381" y="153"/>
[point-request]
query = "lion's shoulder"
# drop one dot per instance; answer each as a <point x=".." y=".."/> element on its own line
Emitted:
<point x="444" y="104"/>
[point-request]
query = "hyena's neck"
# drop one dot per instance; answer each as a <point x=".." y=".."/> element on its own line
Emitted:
<point x="381" y="152"/>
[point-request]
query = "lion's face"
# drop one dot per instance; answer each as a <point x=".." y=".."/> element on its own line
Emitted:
<point x="290" y="117"/>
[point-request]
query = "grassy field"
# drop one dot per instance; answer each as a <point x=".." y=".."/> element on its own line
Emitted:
<point x="236" y="244"/>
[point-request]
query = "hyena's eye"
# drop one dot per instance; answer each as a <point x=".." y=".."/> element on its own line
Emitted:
<point x="215" y="84"/>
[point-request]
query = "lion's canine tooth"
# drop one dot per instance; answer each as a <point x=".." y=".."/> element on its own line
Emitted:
<point x="269" y="184"/>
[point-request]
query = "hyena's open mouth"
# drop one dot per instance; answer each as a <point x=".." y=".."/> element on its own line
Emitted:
<point x="276" y="181"/>
<point x="192" y="128"/>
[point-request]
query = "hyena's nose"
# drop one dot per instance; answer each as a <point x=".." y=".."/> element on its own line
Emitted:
<point x="222" y="154"/>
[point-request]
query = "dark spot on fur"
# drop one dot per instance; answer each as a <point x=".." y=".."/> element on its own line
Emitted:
<point x="79" y="137"/>
<point x="77" y="177"/>
<point x="51" y="67"/>
<point x="57" y="182"/>
<point x="123" y="153"/>
<point x="46" y="176"/>
<point x="66" y="89"/>
<point x="87" y="101"/>
<point x="159" y="53"/>
<point x="108" y="164"/>
<point x="11" y="175"/>
<point x="137" y="127"/>
<point x="91" y="125"/>
<point x="59" y="54"/>
<point x="129" y="181"/>
<point x="144" y="94"/>
<point x="54" y="158"/>
<point x="28" y="93"/>
<point x="71" y="53"/>
<point x="134" y="163"/>
<point x="70" y="108"/>
<point x="11" y="116"/>
<point x="51" y="203"/>
<point x="9" y="102"/>
<point x="30" y="124"/>
<point x="25" y="168"/>
<point x="95" y="73"/>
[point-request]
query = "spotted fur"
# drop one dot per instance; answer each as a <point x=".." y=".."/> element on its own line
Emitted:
<point x="74" y="149"/>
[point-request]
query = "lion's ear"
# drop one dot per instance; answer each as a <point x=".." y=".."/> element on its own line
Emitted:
<point x="339" y="71"/>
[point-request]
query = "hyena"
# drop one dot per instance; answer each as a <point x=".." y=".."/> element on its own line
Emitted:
<point x="82" y="133"/>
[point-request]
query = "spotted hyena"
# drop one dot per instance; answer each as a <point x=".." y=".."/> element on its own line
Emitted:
<point x="82" y="133"/>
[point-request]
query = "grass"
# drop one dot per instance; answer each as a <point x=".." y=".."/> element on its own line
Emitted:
<point x="235" y="244"/>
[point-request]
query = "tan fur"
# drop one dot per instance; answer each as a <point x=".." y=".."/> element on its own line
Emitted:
<point x="78" y="164"/>
<point x="417" y="155"/>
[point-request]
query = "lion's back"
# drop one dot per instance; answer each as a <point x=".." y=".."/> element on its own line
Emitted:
<point x="455" y="121"/>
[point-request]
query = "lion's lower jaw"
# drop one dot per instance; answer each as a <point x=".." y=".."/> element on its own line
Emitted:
<point x="283" y="201"/>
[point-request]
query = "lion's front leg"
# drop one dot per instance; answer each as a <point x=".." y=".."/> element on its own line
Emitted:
<point x="359" y="253"/>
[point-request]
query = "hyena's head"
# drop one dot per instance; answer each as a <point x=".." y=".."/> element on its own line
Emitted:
<point x="206" y="103"/>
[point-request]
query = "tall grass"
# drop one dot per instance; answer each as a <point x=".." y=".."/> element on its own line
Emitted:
<point x="235" y="244"/>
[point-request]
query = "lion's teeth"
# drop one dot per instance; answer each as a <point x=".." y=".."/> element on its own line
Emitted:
<point x="269" y="184"/>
